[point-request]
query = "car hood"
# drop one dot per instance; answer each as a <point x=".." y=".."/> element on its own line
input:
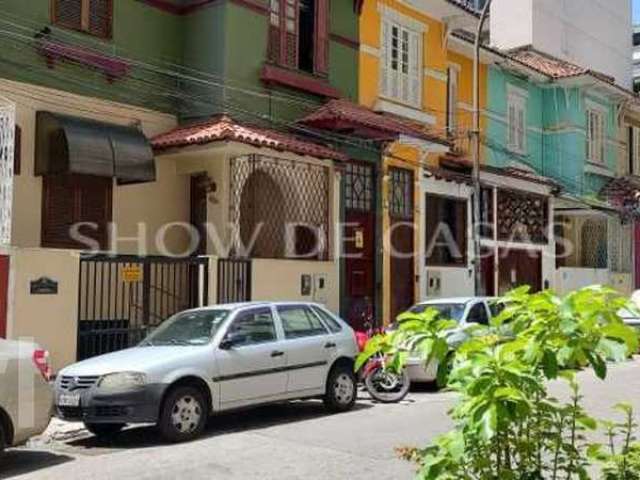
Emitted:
<point x="137" y="359"/>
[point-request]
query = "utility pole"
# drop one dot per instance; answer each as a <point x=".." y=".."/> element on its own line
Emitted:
<point x="479" y="287"/>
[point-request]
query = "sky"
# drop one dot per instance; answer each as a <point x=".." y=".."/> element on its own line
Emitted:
<point x="636" y="11"/>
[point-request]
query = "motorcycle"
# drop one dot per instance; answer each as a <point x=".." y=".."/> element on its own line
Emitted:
<point x="384" y="385"/>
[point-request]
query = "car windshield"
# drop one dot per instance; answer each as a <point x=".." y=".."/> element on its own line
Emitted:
<point x="448" y="311"/>
<point x="188" y="328"/>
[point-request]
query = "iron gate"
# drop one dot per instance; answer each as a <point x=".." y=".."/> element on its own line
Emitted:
<point x="122" y="298"/>
<point x="234" y="280"/>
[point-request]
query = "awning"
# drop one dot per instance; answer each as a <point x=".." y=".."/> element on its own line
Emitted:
<point x="72" y="145"/>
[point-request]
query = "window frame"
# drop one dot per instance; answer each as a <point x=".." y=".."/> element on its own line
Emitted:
<point x="453" y="94"/>
<point x="309" y="311"/>
<point x="85" y="19"/>
<point x="328" y="319"/>
<point x="635" y="151"/>
<point x="517" y="122"/>
<point x="597" y="144"/>
<point x="409" y="84"/>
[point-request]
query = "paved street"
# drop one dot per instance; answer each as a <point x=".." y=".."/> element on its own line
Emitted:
<point x="279" y="442"/>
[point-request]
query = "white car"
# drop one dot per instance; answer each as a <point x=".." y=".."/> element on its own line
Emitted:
<point x="464" y="310"/>
<point x="210" y="360"/>
<point x="25" y="394"/>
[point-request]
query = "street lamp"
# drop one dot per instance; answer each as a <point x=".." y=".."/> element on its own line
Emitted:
<point x="479" y="288"/>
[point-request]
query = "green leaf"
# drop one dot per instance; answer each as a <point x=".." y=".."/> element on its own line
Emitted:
<point x="550" y="365"/>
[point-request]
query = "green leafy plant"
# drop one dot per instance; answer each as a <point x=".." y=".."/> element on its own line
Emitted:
<point x="507" y="426"/>
<point x="620" y="459"/>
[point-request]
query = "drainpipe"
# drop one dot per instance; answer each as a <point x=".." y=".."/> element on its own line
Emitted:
<point x="479" y="287"/>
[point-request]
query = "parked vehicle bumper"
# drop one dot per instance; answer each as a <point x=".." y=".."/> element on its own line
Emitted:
<point x="418" y="373"/>
<point x="136" y="406"/>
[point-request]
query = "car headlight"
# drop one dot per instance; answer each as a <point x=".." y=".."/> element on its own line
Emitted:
<point x="122" y="381"/>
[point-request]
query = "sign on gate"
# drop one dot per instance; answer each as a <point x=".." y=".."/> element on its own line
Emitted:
<point x="131" y="273"/>
<point x="7" y="139"/>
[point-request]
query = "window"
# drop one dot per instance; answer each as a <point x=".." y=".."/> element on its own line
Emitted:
<point x="90" y="16"/>
<point x="401" y="193"/>
<point x="328" y="319"/>
<point x="634" y="150"/>
<point x="517" y="121"/>
<point x="478" y="314"/>
<point x="452" y="99"/>
<point x="401" y="64"/>
<point x="17" y="150"/>
<point x="299" y="321"/>
<point x="298" y="34"/>
<point x="253" y="328"/>
<point x="446" y="231"/>
<point x="593" y="244"/>
<point x="595" y="136"/>
<point x="70" y="199"/>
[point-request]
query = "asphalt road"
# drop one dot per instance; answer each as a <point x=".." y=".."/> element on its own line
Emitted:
<point x="281" y="442"/>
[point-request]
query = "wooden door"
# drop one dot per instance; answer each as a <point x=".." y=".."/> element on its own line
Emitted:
<point x="4" y="290"/>
<point x="518" y="268"/>
<point x="488" y="272"/>
<point x="359" y="245"/>
<point x="401" y="206"/>
<point x="199" y="187"/>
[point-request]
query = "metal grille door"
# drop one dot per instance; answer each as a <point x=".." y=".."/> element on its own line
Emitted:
<point x="122" y="298"/>
<point x="234" y="280"/>
<point x="7" y="138"/>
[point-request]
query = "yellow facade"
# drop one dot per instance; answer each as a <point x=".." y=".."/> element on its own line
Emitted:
<point x="439" y="53"/>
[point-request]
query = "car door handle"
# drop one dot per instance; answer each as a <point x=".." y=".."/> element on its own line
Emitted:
<point x="330" y="345"/>
<point x="277" y="354"/>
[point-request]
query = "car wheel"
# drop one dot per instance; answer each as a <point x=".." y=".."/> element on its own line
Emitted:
<point x="342" y="390"/>
<point x="184" y="414"/>
<point x="3" y="439"/>
<point x="104" y="429"/>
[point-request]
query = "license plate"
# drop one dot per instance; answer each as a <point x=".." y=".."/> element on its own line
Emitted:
<point x="69" y="400"/>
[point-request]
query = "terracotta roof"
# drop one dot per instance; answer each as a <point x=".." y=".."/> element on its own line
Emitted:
<point x="349" y="113"/>
<point x="223" y="128"/>
<point x="552" y="66"/>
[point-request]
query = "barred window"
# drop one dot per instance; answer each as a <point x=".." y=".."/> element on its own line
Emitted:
<point x="359" y="187"/>
<point x="620" y="245"/>
<point x="90" y="16"/>
<point x="279" y="208"/>
<point x="401" y="193"/>
<point x="522" y="217"/>
<point x="593" y="243"/>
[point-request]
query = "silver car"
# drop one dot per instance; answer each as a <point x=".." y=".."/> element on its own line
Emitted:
<point x="25" y="395"/>
<point x="464" y="310"/>
<point x="210" y="360"/>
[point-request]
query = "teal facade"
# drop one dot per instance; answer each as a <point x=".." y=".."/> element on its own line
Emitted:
<point x="556" y="131"/>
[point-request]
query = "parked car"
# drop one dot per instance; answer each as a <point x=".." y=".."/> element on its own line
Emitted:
<point x="208" y="360"/>
<point x="25" y="394"/>
<point x="466" y="311"/>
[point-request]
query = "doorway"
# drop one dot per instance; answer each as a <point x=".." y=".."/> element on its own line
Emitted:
<point x="402" y="241"/>
<point x="518" y="268"/>
<point x="4" y="294"/>
<point x="199" y="193"/>
<point x="359" y="245"/>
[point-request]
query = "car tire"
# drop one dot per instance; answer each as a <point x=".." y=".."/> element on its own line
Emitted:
<point x="104" y="429"/>
<point x="341" y="390"/>
<point x="3" y="439"/>
<point x="183" y="415"/>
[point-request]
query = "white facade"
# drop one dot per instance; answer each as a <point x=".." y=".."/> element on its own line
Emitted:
<point x="596" y="34"/>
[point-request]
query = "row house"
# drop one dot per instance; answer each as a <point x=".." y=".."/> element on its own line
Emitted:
<point x="555" y="119"/>
<point x="156" y="156"/>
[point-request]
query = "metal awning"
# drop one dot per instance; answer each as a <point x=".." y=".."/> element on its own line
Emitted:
<point x="72" y="145"/>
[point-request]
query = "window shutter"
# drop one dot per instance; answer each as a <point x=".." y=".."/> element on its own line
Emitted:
<point x="58" y="207"/>
<point x="94" y="206"/>
<point x="17" y="150"/>
<point x="385" y="58"/>
<point x="321" y="61"/>
<point x="68" y="13"/>
<point x="275" y="32"/>
<point x="415" y="65"/>
<point x="512" y="125"/>
<point x="100" y="12"/>
<point x="520" y="129"/>
<point x="290" y="27"/>
<point x="69" y="199"/>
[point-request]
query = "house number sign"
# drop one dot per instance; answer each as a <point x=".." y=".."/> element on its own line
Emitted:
<point x="44" y="286"/>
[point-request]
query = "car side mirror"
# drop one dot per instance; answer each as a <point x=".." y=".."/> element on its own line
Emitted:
<point x="231" y="340"/>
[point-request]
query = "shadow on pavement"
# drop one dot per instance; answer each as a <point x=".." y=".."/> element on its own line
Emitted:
<point x="19" y="462"/>
<point x="241" y="421"/>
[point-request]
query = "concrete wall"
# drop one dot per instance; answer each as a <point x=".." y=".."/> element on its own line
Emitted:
<point x="281" y="280"/>
<point x="157" y="203"/>
<point x="51" y="320"/>
<point x="569" y="279"/>
<point x="591" y="33"/>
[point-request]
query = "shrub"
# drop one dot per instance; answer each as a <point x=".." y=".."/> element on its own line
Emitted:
<point x="507" y="426"/>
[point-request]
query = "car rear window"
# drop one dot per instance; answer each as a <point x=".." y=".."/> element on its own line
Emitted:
<point x="329" y="321"/>
<point x="299" y="321"/>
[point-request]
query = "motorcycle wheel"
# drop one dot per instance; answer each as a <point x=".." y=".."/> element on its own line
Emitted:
<point x="387" y="387"/>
